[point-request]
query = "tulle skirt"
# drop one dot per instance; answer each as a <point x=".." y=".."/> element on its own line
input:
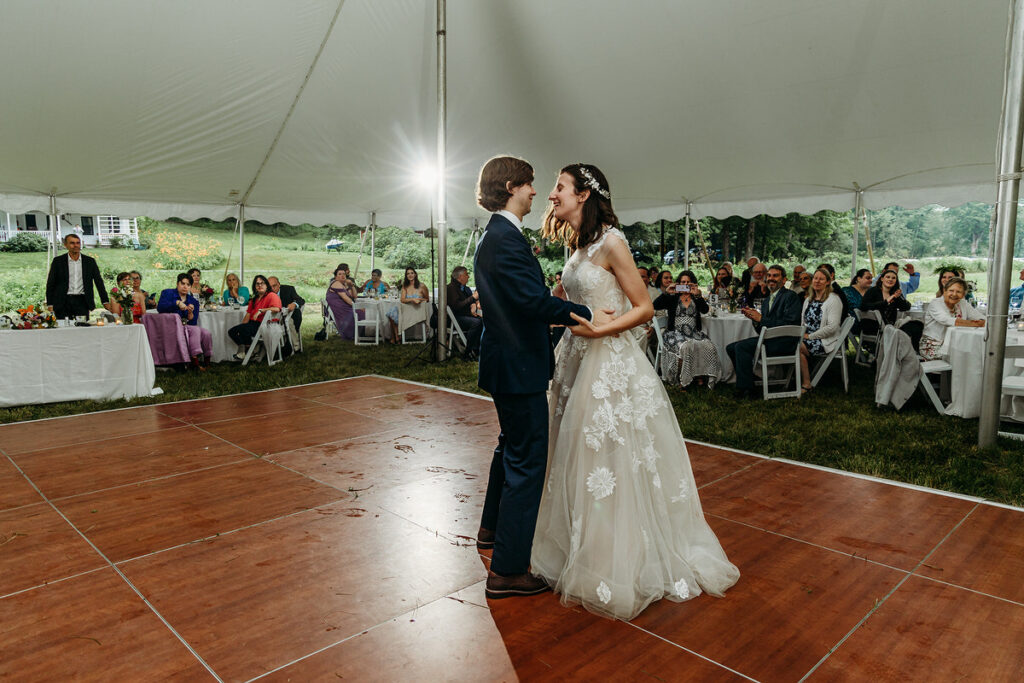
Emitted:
<point x="620" y="522"/>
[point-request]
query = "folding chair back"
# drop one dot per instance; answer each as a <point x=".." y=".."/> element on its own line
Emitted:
<point x="455" y="331"/>
<point x="790" y="360"/>
<point x="369" y="328"/>
<point x="271" y="335"/>
<point x="838" y="353"/>
<point x="865" y="357"/>
<point x="328" y="315"/>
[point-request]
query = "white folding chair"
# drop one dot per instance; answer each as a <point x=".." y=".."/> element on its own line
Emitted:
<point x="764" y="362"/>
<point x="1013" y="385"/>
<point x="455" y="331"/>
<point x="933" y="367"/>
<point x="421" y="324"/>
<point x="371" y="321"/>
<point x="294" y="338"/>
<point x="874" y="338"/>
<point x="329" y="324"/>
<point x="658" y="323"/>
<point x="838" y="353"/>
<point x="271" y="335"/>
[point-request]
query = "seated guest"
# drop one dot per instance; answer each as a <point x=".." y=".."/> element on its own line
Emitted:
<point x="781" y="307"/>
<point x="263" y="301"/>
<point x="969" y="296"/>
<point x="124" y="284"/>
<point x="148" y="300"/>
<point x="945" y="275"/>
<point x="720" y="285"/>
<point x="290" y="299"/>
<point x="375" y="285"/>
<point x="412" y="292"/>
<point x="756" y="288"/>
<point x="950" y="310"/>
<point x="887" y="298"/>
<point x="1017" y="293"/>
<point x="464" y="304"/>
<point x="341" y="292"/>
<point x="801" y="283"/>
<point x="235" y="292"/>
<point x="831" y="272"/>
<point x="860" y="283"/>
<point x="749" y="272"/>
<point x="557" y="281"/>
<point x="688" y="353"/>
<point x="796" y="286"/>
<point x="197" y="286"/>
<point x="181" y="301"/>
<point x="912" y="284"/>
<point x="822" y="315"/>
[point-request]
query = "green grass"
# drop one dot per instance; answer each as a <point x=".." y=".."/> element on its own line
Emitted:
<point x="826" y="427"/>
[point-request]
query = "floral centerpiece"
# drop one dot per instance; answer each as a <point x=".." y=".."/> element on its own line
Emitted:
<point x="125" y="298"/>
<point x="734" y="292"/>
<point x="31" y="318"/>
<point x="205" y="294"/>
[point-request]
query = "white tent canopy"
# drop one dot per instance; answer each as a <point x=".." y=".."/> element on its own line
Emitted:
<point x="321" y="111"/>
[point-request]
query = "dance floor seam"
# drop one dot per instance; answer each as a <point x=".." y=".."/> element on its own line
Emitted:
<point x="238" y="537"/>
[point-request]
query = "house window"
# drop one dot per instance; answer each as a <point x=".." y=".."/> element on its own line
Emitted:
<point x="87" y="226"/>
<point x="30" y="221"/>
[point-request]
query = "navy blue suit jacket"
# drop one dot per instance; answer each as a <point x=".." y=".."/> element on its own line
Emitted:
<point x="787" y="310"/>
<point x="515" y="350"/>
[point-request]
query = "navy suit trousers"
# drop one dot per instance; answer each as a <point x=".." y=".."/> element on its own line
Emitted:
<point x="741" y="353"/>
<point x="517" y="480"/>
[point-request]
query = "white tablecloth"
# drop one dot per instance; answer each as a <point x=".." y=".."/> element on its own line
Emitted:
<point x="218" y="323"/>
<point x="965" y="349"/>
<point x="724" y="329"/>
<point x="75" y="363"/>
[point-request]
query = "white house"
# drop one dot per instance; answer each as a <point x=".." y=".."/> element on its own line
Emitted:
<point x="95" y="230"/>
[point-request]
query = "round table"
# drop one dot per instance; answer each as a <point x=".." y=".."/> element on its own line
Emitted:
<point x="218" y="323"/>
<point x="723" y="329"/>
<point x="964" y="348"/>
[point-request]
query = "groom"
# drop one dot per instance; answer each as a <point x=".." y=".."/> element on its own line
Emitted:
<point x="516" y="363"/>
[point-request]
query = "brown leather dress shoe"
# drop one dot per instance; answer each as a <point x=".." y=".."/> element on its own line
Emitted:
<point x="484" y="539"/>
<point x="513" y="586"/>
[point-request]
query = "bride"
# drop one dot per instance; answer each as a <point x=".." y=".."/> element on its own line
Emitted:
<point x="620" y="523"/>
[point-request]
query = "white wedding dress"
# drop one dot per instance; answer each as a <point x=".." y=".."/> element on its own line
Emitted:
<point x="620" y="522"/>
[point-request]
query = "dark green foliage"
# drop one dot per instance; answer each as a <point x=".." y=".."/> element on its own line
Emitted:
<point x="24" y="242"/>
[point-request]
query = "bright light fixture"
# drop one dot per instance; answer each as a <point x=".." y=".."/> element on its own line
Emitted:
<point x="426" y="177"/>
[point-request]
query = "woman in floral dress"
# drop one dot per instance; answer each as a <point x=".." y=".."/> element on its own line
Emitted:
<point x="688" y="353"/>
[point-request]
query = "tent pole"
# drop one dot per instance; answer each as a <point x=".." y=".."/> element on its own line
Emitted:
<point x="472" y="235"/>
<point x="675" y="244"/>
<point x="373" y="243"/>
<point x="1008" y="193"/>
<point x="241" y="243"/>
<point x="686" y="237"/>
<point x="857" y="204"/>
<point x="442" y="180"/>
<point x="359" y="259"/>
<point x="51" y="243"/>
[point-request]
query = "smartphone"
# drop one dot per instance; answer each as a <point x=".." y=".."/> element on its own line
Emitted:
<point x="682" y="288"/>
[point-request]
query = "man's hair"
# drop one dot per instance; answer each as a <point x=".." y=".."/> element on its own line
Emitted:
<point x="183" y="276"/>
<point x="376" y="271"/>
<point x="69" y="235"/>
<point x="273" y="277"/>
<point x="778" y="268"/>
<point x="135" y="272"/>
<point x="457" y="271"/>
<point x="645" y="269"/>
<point x="895" y="265"/>
<point x="491" y="191"/>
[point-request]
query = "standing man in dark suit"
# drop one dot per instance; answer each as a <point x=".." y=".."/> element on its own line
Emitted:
<point x="516" y="364"/>
<point x="464" y="304"/>
<point x="782" y="306"/>
<point x="70" y="282"/>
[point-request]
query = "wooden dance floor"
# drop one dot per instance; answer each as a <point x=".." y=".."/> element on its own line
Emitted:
<point x="324" y="532"/>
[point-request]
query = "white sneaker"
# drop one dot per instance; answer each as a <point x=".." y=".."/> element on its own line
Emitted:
<point x="240" y="355"/>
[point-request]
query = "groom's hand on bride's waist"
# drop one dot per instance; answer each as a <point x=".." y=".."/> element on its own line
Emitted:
<point x="593" y="328"/>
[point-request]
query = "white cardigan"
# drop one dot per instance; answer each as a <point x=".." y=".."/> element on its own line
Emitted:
<point x="831" y="321"/>
<point x="937" y="318"/>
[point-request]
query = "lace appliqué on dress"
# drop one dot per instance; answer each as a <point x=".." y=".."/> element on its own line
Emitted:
<point x="601" y="482"/>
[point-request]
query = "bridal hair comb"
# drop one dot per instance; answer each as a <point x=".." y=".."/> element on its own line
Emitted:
<point x="592" y="182"/>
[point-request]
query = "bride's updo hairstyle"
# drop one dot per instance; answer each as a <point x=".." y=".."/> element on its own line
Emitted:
<point x="597" y="210"/>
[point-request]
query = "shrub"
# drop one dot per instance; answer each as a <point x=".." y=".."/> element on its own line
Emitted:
<point x="25" y="242"/>
<point x="415" y="253"/>
<point x="178" y="251"/>
<point x="21" y="288"/>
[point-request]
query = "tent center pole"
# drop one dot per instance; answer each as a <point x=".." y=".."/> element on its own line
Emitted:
<point x="373" y="234"/>
<point x="1008" y="193"/>
<point x="857" y="205"/>
<point x="442" y="181"/>
<point x="241" y="243"/>
<point x="686" y="237"/>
